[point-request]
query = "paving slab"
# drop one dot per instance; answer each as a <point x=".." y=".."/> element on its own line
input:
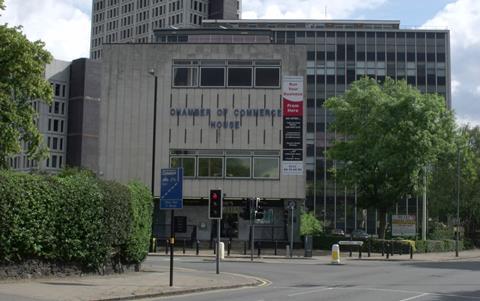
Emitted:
<point x="132" y="285"/>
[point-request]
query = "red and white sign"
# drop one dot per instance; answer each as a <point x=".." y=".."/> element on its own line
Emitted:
<point x="292" y="156"/>
<point x="292" y="96"/>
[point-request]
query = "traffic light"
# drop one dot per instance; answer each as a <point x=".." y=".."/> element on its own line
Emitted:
<point x="259" y="211"/>
<point x="215" y="204"/>
<point x="245" y="213"/>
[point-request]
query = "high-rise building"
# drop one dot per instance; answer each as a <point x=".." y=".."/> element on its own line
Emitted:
<point x="133" y="21"/>
<point x="222" y="112"/>
<point x="70" y="124"/>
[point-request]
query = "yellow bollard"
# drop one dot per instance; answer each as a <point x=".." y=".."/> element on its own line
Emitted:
<point x="335" y="254"/>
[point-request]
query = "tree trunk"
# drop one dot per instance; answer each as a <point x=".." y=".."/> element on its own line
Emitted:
<point x="382" y="213"/>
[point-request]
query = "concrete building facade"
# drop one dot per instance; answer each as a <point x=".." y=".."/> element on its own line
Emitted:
<point x="329" y="55"/>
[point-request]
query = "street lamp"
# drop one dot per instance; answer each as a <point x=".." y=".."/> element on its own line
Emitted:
<point x="152" y="72"/>
<point x="457" y="234"/>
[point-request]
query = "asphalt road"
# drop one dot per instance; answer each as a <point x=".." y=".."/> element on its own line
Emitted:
<point x="356" y="280"/>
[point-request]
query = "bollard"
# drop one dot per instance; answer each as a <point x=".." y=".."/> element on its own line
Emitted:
<point x="214" y="247"/>
<point x="221" y="251"/>
<point x="359" y="252"/>
<point x="259" y="249"/>
<point x="335" y="254"/>
<point x="287" y="251"/>
<point x="166" y="246"/>
<point x="392" y="248"/>
<point x="400" y="250"/>
<point x="369" y="247"/>
<point x="198" y="247"/>
<point x="350" y="248"/>
<point x="229" y="246"/>
<point x="244" y="248"/>
<point x="388" y="252"/>
<point x="411" y="252"/>
<point x="275" y="250"/>
<point x="383" y="248"/>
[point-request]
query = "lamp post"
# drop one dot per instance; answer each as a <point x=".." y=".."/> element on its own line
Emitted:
<point x="154" y="138"/>
<point x="458" y="203"/>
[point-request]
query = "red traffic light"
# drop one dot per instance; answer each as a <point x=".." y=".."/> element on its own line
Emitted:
<point x="214" y="196"/>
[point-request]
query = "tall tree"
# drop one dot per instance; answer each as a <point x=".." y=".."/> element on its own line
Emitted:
<point x="443" y="186"/>
<point x="393" y="133"/>
<point x="22" y="69"/>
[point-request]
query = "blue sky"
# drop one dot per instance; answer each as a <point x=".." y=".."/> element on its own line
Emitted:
<point x="64" y="25"/>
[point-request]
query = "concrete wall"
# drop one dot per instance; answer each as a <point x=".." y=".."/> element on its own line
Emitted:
<point x="127" y="115"/>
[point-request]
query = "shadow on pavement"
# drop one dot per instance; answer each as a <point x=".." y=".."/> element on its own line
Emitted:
<point x="450" y="265"/>
<point x="456" y="296"/>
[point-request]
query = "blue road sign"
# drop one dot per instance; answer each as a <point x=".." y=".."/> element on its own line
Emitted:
<point x="171" y="189"/>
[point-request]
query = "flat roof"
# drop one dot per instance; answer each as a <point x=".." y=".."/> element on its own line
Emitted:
<point x="304" y="21"/>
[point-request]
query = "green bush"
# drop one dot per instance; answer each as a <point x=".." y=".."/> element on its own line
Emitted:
<point x="139" y="238"/>
<point x="431" y="246"/>
<point x="26" y="217"/>
<point x="73" y="218"/>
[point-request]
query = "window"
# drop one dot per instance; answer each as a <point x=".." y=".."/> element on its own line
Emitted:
<point x="54" y="161"/>
<point x="188" y="164"/>
<point x="240" y="77"/>
<point x="210" y="167"/>
<point x="56" y="107"/>
<point x="57" y="90"/>
<point x="212" y="77"/>
<point x="184" y="77"/>
<point x="265" y="167"/>
<point x="267" y="77"/>
<point x="55" y="143"/>
<point x="55" y="125"/>
<point x="238" y="167"/>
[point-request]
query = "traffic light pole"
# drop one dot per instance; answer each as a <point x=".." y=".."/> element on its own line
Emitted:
<point x="252" y="228"/>
<point x="172" y="242"/>
<point x="291" y="236"/>
<point x="218" y="246"/>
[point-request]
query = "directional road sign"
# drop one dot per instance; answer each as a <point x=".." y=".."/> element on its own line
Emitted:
<point x="171" y="192"/>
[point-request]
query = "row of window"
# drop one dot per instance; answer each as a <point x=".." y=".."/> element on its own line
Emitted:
<point x="238" y="77"/>
<point x="19" y="162"/>
<point x="59" y="90"/>
<point x="361" y="37"/>
<point x="390" y="56"/>
<point x="56" y="125"/>
<point x="55" y="143"/>
<point x="56" y="161"/>
<point x="244" y="167"/>
<point x="57" y="107"/>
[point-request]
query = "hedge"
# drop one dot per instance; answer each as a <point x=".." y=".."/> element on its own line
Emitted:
<point x="73" y="218"/>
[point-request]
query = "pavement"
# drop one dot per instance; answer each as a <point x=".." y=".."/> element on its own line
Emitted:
<point x="153" y="280"/>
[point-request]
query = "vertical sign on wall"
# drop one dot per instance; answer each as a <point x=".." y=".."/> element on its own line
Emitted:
<point x="292" y="154"/>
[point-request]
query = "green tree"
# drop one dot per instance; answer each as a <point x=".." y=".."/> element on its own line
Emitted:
<point x="393" y="132"/>
<point x="442" y="189"/>
<point x="22" y="68"/>
<point x="309" y="224"/>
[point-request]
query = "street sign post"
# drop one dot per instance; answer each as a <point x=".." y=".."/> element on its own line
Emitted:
<point x="171" y="197"/>
<point x="171" y="192"/>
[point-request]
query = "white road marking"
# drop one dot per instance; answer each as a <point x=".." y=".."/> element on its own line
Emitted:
<point x="415" y="297"/>
<point x="311" y="291"/>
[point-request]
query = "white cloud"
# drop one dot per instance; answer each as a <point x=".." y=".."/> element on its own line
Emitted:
<point x="462" y="17"/>
<point x="64" y="25"/>
<point x="304" y="9"/>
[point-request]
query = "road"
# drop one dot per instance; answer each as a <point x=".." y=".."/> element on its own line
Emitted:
<point x="356" y="280"/>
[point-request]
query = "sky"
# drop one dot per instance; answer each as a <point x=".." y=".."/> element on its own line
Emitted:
<point x="64" y="25"/>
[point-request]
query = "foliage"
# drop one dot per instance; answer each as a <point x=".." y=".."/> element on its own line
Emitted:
<point x="309" y="224"/>
<point x="463" y="161"/>
<point x="440" y="231"/>
<point x="428" y="246"/>
<point x="73" y="218"/>
<point x="139" y="238"/>
<point x="393" y="132"/>
<point x="22" y="68"/>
